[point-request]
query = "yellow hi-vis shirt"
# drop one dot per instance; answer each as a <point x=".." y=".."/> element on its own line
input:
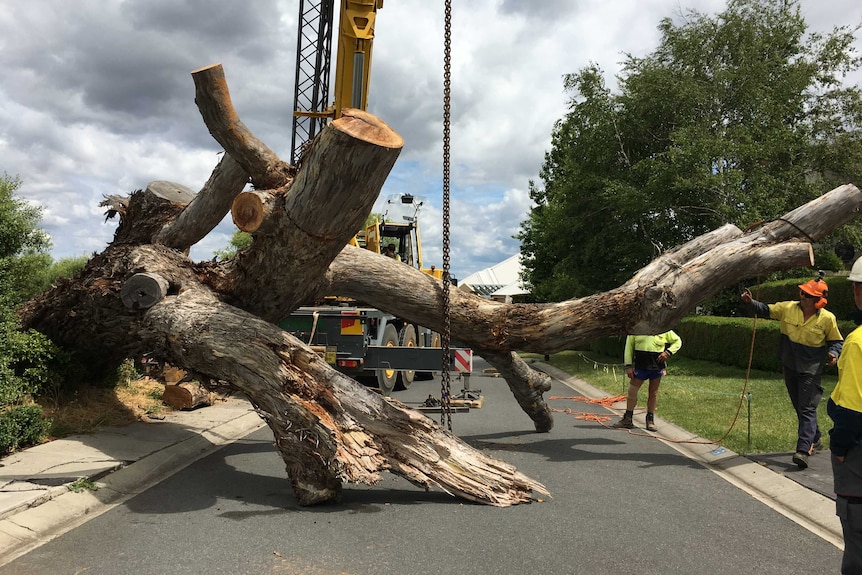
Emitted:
<point x="804" y="343"/>
<point x="848" y="391"/>
<point x="652" y="344"/>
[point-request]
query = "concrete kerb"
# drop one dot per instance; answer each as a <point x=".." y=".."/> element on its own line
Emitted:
<point x="796" y="502"/>
<point x="58" y="510"/>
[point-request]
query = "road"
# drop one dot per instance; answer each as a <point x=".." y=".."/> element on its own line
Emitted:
<point x="621" y="504"/>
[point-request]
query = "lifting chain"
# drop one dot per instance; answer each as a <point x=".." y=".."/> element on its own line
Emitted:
<point x="445" y="395"/>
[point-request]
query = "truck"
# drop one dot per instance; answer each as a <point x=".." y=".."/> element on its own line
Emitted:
<point x="359" y="340"/>
<point x="366" y="343"/>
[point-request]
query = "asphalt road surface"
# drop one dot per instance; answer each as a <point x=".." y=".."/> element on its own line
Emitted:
<point x="620" y="504"/>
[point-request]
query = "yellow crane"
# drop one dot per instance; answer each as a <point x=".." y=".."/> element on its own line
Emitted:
<point x="312" y="111"/>
<point x="356" y="22"/>
<point x="357" y="339"/>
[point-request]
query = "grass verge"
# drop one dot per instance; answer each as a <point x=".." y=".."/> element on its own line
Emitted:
<point x="709" y="399"/>
<point x="90" y="408"/>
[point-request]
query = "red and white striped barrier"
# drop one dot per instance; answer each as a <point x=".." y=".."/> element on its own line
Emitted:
<point x="464" y="360"/>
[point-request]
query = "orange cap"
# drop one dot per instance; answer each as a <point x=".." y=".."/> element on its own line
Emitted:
<point x="817" y="288"/>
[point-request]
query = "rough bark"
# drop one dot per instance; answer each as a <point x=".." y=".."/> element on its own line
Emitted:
<point x="328" y="428"/>
<point x="655" y="299"/>
<point x="216" y="319"/>
<point x="212" y="97"/>
<point x="208" y="207"/>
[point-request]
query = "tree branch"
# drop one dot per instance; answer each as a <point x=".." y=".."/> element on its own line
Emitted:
<point x="208" y="207"/>
<point x="212" y="97"/>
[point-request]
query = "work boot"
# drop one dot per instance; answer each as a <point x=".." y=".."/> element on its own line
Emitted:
<point x="816" y="446"/>
<point x="624" y="423"/>
<point x="800" y="458"/>
<point x="650" y="425"/>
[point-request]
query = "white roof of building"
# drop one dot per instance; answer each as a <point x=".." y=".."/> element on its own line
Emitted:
<point x="504" y="277"/>
<point x="511" y="289"/>
<point x="503" y="273"/>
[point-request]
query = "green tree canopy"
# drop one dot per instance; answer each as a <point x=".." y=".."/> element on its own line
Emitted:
<point x="737" y="118"/>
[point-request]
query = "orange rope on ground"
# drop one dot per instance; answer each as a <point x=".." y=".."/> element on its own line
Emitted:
<point x="605" y="401"/>
<point x="609" y="402"/>
<point x="601" y="419"/>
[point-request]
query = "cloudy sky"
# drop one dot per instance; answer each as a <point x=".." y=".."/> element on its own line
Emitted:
<point x="96" y="98"/>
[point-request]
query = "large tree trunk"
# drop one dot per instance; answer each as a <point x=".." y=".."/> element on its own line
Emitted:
<point x="217" y="319"/>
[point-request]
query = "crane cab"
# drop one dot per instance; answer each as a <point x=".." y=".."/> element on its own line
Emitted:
<point x="401" y="235"/>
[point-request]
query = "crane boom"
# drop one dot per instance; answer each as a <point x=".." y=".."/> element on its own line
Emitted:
<point x="313" y="63"/>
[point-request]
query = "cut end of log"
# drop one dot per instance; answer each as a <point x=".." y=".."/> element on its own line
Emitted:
<point x="368" y="128"/>
<point x="143" y="291"/>
<point x="201" y="69"/>
<point x="186" y="396"/>
<point x="247" y="211"/>
<point x="171" y="191"/>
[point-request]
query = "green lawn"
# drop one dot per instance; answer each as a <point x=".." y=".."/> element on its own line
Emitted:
<point x="704" y="397"/>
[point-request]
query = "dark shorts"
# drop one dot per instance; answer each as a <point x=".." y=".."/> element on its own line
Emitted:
<point x="648" y="374"/>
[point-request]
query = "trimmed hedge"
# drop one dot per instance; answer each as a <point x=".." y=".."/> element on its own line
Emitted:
<point x="725" y="340"/>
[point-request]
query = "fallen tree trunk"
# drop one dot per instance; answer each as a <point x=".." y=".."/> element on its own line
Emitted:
<point x="216" y="319"/>
<point x="655" y="299"/>
<point x="328" y="429"/>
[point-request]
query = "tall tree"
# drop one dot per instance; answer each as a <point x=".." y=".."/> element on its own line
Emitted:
<point x="734" y="118"/>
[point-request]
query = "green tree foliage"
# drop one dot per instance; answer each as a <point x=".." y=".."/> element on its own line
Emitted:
<point x="737" y="118"/>
<point x="238" y="242"/>
<point x="22" y="426"/>
<point x="26" y="360"/>
<point x="25" y="356"/>
<point x="63" y="268"/>
<point x="23" y="245"/>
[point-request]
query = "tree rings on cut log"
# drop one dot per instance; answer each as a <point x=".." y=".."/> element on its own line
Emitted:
<point x="142" y="291"/>
<point x="171" y="191"/>
<point x="249" y="210"/>
<point x="368" y="128"/>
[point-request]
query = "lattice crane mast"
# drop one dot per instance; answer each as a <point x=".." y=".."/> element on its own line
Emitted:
<point x="311" y="107"/>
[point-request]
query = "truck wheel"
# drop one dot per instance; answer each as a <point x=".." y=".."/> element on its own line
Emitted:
<point x="428" y="375"/>
<point x="386" y="378"/>
<point x="407" y="337"/>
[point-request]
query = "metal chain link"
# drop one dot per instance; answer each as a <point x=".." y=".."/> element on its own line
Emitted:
<point x="445" y="395"/>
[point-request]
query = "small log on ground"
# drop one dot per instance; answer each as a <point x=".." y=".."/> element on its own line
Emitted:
<point x="187" y="395"/>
